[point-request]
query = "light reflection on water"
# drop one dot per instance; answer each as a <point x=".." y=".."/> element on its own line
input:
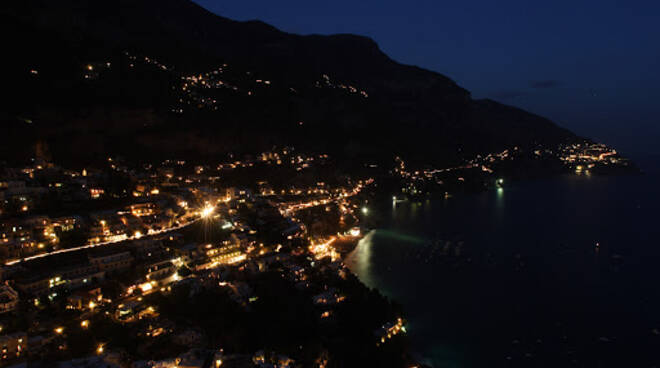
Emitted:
<point x="359" y="261"/>
<point x="528" y="272"/>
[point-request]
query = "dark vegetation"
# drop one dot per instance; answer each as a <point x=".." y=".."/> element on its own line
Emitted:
<point x="413" y="112"/>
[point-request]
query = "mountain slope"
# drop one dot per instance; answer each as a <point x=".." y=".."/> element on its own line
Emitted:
<point x="411" y="111"/>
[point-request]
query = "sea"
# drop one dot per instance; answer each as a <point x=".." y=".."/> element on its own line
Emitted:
<point x="561" y="272"/>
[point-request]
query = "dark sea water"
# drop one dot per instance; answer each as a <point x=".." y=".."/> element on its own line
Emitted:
<point x="563" y="272"/>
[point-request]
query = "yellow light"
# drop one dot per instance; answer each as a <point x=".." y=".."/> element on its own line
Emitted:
<point x="92" y="305"/>
<point x="84" y="324"/>
<point x="207" y="211"/>
<point x="99" y="349"/>
<point x="146" y="287"/>
<point x="59" y="330"/>
<point x="138" y="234"/>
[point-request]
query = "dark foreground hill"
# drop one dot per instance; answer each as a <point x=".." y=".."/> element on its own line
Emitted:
<point x="95" y="77"/>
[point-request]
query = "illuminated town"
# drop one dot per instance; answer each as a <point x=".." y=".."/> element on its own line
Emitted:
<point x="92" y="262"/>
<point x="180" y="189"/>
<point x="82" y="255"/>
<point x="107" y="264"/>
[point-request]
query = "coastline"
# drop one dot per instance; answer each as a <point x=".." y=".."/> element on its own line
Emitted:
<point x="378" y="219"/>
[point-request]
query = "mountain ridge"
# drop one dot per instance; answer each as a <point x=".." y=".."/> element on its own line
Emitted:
<point x="426" y="113"/>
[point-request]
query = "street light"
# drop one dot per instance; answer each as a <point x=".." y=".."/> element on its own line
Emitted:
<point x="207" y="211"/>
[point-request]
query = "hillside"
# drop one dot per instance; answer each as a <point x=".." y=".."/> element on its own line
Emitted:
<point x="340" y="94"/>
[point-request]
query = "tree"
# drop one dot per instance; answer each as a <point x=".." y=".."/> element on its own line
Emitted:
<point x="184" y="271"/>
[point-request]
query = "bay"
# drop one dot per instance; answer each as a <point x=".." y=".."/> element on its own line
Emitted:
<point x="560" y="272"/>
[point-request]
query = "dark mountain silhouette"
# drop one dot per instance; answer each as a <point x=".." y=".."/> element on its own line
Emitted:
<point x="127" y="108"/>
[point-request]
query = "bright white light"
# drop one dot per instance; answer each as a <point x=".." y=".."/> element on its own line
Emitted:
<point x="145" y="287"/>
<point x="207" y="211"/>
<point x="365" y="210"/>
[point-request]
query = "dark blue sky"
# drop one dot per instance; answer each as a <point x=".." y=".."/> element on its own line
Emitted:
<point x="592" y="66"/>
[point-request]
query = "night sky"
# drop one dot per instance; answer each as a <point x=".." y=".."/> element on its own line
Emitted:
<point x="592" y="66"/>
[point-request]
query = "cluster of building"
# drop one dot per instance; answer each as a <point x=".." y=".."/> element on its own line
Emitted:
<point x="195" y="90"/>
<point x="584" y="157"/>
<point x="285" y="156"/>
<point x="145" y="246"/>
<point x="326" y="82"/>
<point x="25" y="231"/>
<point x="205" y="90"/>
<point x="480" y="163"/>
<point x="579" y="158"/>
<point x="322" y="197"/>
<point x="389" y="330"/>
<point x="144" y="266"/>
<point x="146" y="60"/>
<point x="160" y="197"/>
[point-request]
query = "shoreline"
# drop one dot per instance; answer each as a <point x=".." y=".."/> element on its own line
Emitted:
<point x="376" y="218"/>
